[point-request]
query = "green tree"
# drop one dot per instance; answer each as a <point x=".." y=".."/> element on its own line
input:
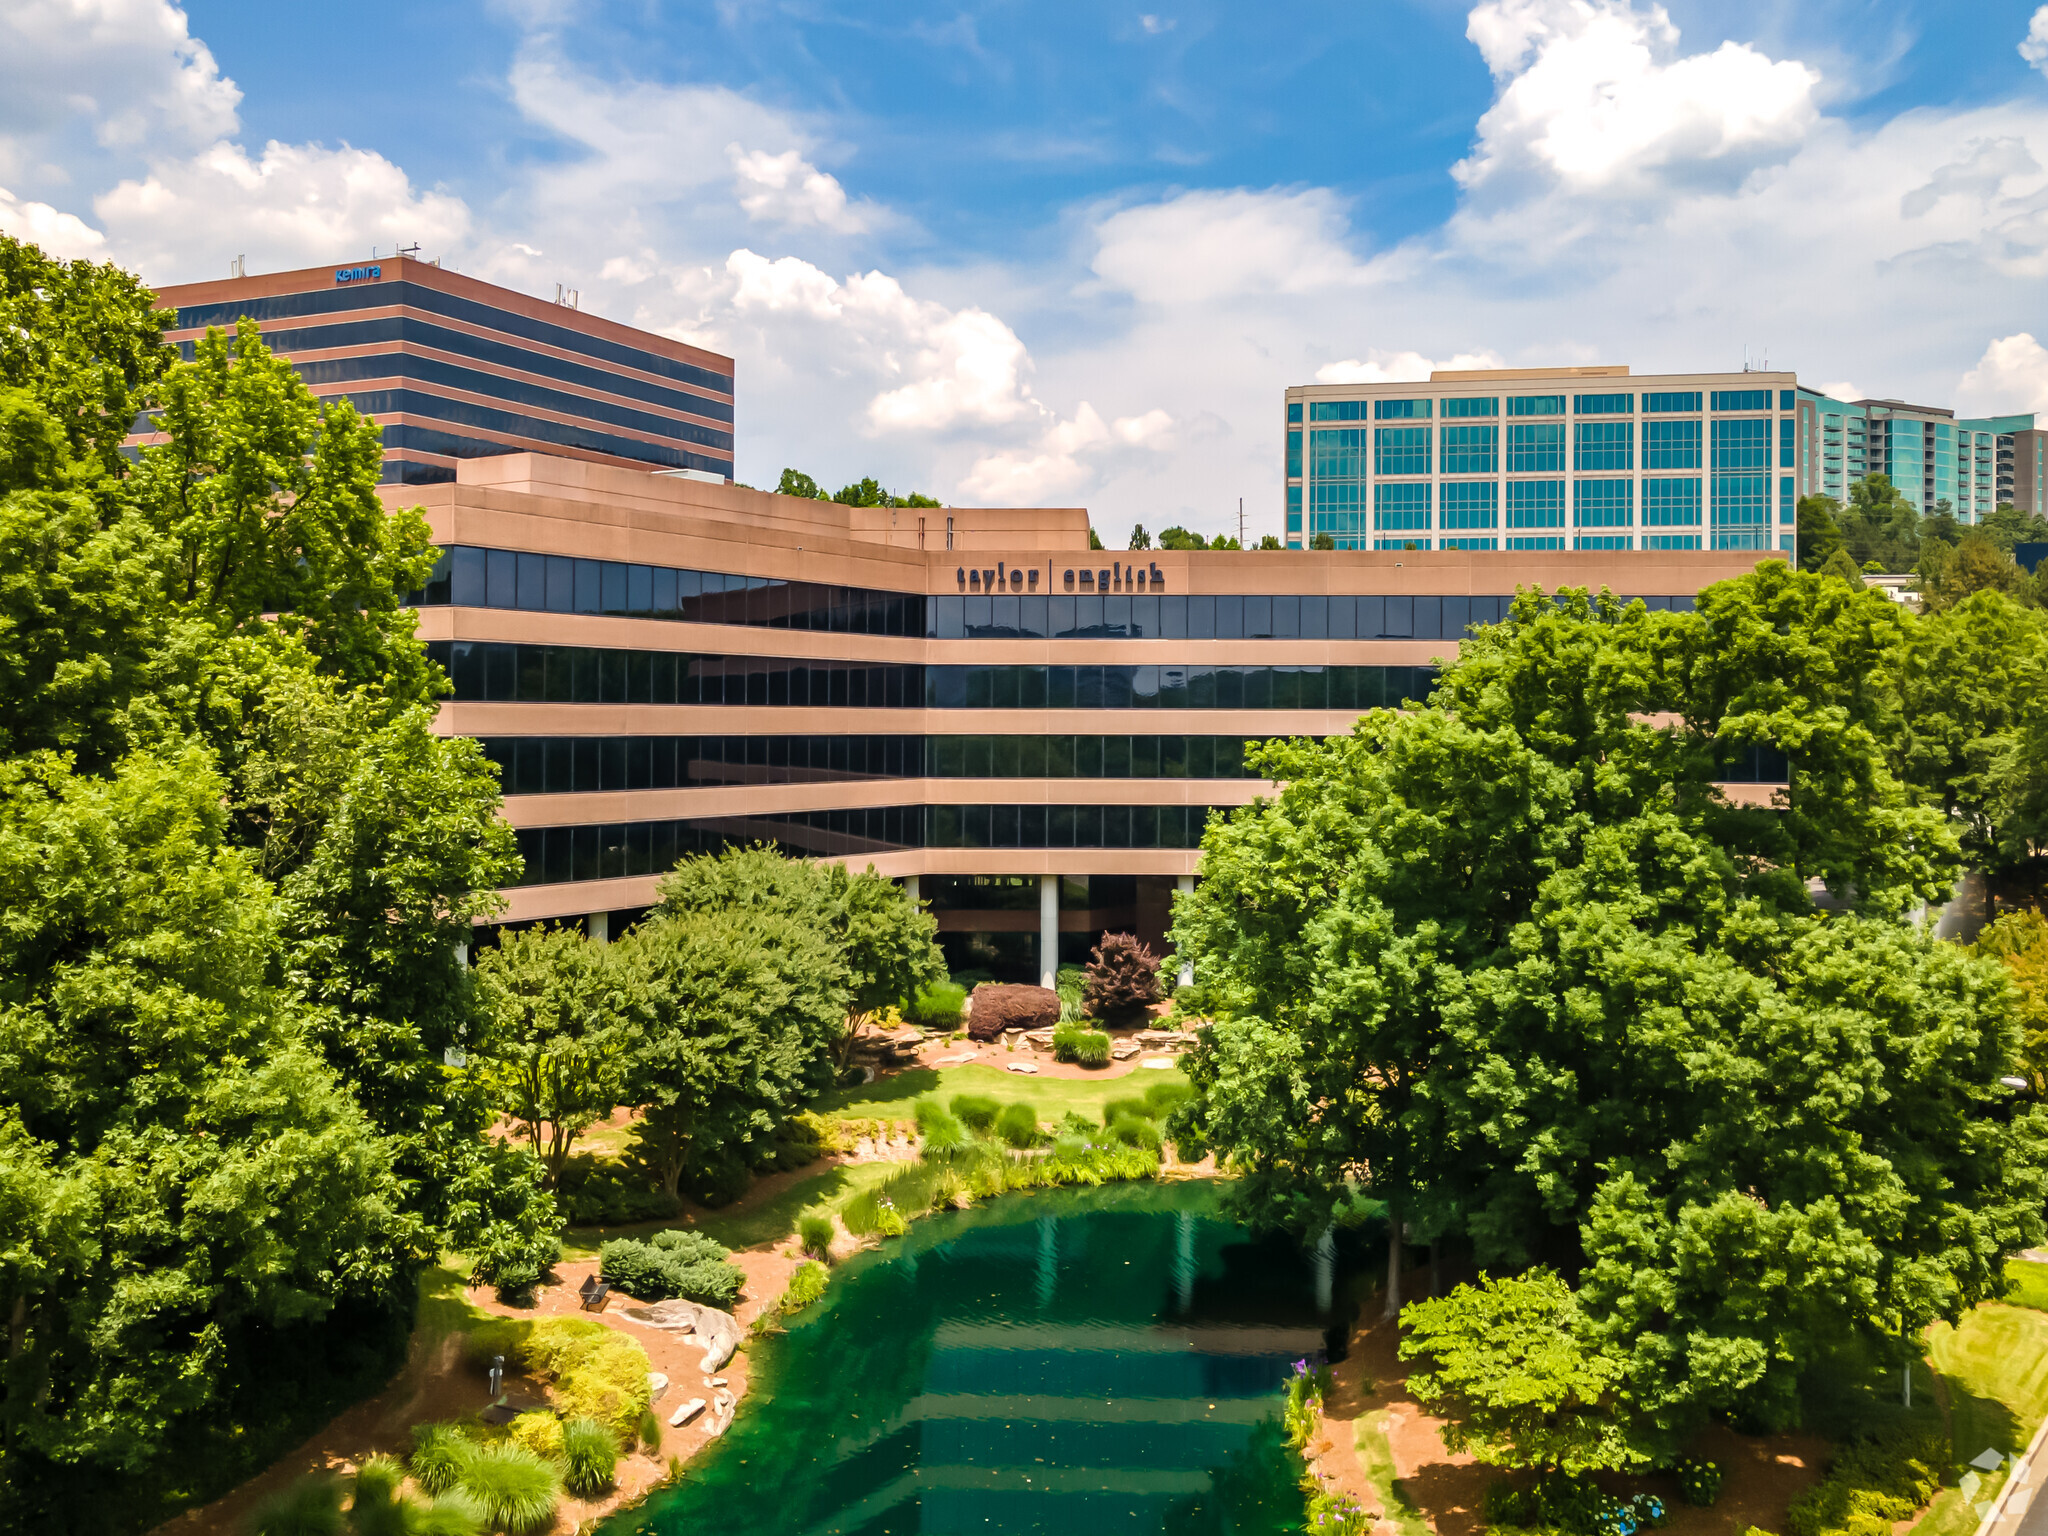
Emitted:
<point x="885" y="944"/>
<point x="1970" y="684"/>
<point x="1880" y="524"/>
<point x="1975" y="564"/>
<point x="1820" y="535"/>
<point x="735" y="1012"/>
<point x="1140" y="539"/>
<point x="1094" y="539"/>
<point x="1322" y="541"/>
<point x="1516" y="1382"/>
<point x="1180" y="538"/>
<point x="1514" y="964"/>
<point x="795" y="482"/>
<point x="183" y="1181"/>
<point x="2008" y="526"/>
<point x="1841" y="567"/>
<point x="1270" y="541"/>
<point x="554" y="1051"/>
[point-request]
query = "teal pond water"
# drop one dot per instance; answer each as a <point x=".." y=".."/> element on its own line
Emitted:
<point x="1067" y="1362"/>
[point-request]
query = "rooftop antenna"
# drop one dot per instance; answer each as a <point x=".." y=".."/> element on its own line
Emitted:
<point x="238" y="267"/>
<point x="410" y="250"/>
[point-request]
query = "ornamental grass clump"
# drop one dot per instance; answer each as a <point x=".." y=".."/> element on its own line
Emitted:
<point x="438" y="1452"/>
<point x="976" y="1111"/>
<point x="375" y="1505"/>
<point x="309" y="1507"/>
<point x="807" y="1283"/>
<point x="1017" y="1126"/>
<point x="814" y="1235"/>
<point x="589" y="1456"/>
<point x="515" y="1490"/>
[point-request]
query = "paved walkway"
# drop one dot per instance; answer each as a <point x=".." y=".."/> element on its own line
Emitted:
<point x="2016" y="1511"/>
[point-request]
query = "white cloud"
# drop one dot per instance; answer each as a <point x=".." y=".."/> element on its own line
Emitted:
<point x="1594" y="98"/>
<point x="59" y="234"/>
<point x="788" y="189"/>
<point x="1065" y="461"/>
<point x="2034" y="46"/>
<point x="2011" y="376"/>
<point x="1981" y="174"/>
<point x="1841" y="390"/>
<point x="1399" y="367"/>
<point x="130" y="67"/>
<point x="1199" y="247"/>
<point x="295" y="205"/>
<point x="955" y="367"/>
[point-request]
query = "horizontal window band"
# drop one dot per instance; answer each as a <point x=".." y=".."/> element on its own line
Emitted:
<point x="380" y="295"/>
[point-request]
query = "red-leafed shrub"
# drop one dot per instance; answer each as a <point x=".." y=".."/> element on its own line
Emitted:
<point x="997" y="1008"/>
<point x="1121" y="980"/>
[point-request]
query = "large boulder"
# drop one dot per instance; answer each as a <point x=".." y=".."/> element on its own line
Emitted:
<point x="997" y="1008"/>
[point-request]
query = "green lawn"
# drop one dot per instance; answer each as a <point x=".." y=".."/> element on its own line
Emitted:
<point x="893" y="1097"/>
<point x="1996" y="1370"/>
<point x="2028" y="1284"/>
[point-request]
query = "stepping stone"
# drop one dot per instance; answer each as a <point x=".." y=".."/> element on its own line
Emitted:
<point x="718" y="1381"/>
<point x="687" y="1412"/>
<point x="1987" y="1460"/>
<point x="1020" y="1066"/>
<point x="1160" y="1062"/>
<point x="656" y="1383"/>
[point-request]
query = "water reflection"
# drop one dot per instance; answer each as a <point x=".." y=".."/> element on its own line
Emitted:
<point x="1059" y="1362"/>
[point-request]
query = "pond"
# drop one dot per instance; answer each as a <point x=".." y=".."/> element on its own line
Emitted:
<point x="1060" y="1361"/>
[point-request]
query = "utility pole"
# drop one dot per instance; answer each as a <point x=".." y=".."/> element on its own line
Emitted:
<point x="1240" y="522"/>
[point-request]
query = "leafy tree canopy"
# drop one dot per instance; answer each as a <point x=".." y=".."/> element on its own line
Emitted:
<point x="242" y="865"/>
<point x="1513" y="962"/>
<point x="1518" y="1384"/>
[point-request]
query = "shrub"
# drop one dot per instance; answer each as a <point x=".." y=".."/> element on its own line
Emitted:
<point x="718" y="1179"/>
<point x="539" y="1432"/>
<point x="654" y="1271"/>
<point x="997" y="1008"/>
<point x="590" y="1457"/>
<point x="1873" y="1483"/>
<point x="687" y="1247"/>
<point x="937" y="1006"/>
<point x="814" y="1234"/>
<point x="1122" y="979"/>
<point x="938" y="1130"/>
<point x="978" y="1114"/>
<point x="515" y="1490"/>
<point x="1017" y="1125"/>
<point x="438" y="1452"/>
<point x="1115" y="1109"/>
<point x="596" y="1372"/>
<point x="806" y="1284"/>
<point x="310" y="1507"/>
<point x="604" y="1192"/>
<point x="1699" y="1482"/>
<point x="1064" y="1037"/>
<point x="650" y="1431"/>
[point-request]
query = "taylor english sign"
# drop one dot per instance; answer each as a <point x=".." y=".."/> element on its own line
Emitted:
<point x="1114" y="577"/>
<point x="357" y="275"/>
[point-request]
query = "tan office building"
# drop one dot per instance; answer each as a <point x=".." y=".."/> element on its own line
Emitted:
<point x="972" y="700"/>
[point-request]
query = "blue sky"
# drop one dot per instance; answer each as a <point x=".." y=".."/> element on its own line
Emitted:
<point x="1073" y="253"/>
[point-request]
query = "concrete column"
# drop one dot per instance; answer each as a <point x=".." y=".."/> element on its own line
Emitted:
<point x="910" y="889"/>
<point x="599" y="926"/>
<point x="462" y="956"/>
<point x="1186" y="887"/>
<point x="1048" y="929"/>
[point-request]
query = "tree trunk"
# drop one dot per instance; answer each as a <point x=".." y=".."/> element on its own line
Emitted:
<point x="1393" y="1309"/>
